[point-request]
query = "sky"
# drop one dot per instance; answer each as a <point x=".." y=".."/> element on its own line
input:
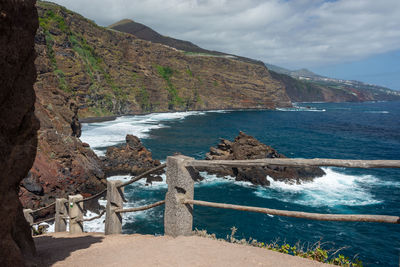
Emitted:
<point x="347" y="39"/>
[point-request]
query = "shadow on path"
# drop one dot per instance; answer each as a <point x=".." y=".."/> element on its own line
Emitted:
<point x="52" y="249"/>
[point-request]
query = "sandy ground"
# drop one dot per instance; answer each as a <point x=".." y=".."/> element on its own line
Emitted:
<point x="90" y="250"/>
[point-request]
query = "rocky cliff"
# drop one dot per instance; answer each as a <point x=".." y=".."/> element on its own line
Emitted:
<point x="18" y="125"/>
<point x="111" y="73"/>
<point x="63" y="164"/>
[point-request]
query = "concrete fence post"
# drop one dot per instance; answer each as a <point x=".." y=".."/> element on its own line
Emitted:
<point x="28" y="217"/>
<point x="178" y="217"/>
<point x="60" y="224"/>
<point x="113" y="224"/>
<point x="75" y="211"/>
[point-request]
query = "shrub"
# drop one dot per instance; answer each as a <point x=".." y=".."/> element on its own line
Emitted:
<point x="315" y="252"/>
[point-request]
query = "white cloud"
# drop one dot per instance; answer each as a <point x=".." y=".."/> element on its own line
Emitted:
<point x="293" y="32"/>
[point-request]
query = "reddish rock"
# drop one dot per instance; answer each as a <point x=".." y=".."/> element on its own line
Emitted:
<point x="63" y="165"/>
<point x="132" y="158"/>
<point x="247" y="147"/>
<point x="18" y="125"/>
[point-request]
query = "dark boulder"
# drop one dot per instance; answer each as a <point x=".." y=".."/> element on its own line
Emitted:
<point x="32" y="184"/>
<point x="154" y="178"/>
<point x="247" y="147"/>
<point x="131" y="158"/>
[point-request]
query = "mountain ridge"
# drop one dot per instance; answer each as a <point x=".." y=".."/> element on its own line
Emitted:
<point x="146" y="33"/>
<point x="307" y="86"/>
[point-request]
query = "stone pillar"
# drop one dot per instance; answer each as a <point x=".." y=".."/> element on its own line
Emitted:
<point x="75" y="214"/>
<point x="178" y="217"/>
<point x="28" y="216"/>
<point x="115" y="198"/>
<point x="60" y="224"/>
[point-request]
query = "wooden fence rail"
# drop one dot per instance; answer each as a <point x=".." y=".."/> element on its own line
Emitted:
<point x="179" y="199"/>
<point x="347" y="163"/>
<point x="303" y="215"/>
<point x="64" y="208"/>
<point x="178" y="216"/>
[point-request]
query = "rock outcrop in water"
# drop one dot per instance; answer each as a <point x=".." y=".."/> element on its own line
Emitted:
<point x="131" y="158"/>
<point x="18" y="124"/>
<point x="247" y="147"/>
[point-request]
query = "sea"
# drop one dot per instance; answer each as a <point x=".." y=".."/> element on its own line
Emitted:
<point x="368" y="130"/>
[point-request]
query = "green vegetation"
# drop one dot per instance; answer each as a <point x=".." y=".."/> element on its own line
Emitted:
<point x="62" y="83"/>
<point x="174" y="100"/>
<point x="49" y="19"/>
<point x="99" y="112"/>
<point x="92" y="61"/>
<point x="215" y="83"/>
<point x="93" y="64"/>
<point x="314" y="252"/>
<point x="165" y="72"/>
<point x="189" y="72"/>
<point x="144" y="99"/>
<point x="200" y="54"/>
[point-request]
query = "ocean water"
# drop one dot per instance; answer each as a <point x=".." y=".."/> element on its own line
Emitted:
<point x="325" y="130"/>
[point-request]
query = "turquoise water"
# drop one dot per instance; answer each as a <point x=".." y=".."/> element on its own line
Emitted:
<point x="326" y="130"/>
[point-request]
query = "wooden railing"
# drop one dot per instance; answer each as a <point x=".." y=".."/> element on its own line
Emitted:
<point x="179" y="199"/>
<point x="72" y="209"/>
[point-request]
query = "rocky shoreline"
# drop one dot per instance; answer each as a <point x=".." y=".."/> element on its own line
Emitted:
<point x="133" y="158"/>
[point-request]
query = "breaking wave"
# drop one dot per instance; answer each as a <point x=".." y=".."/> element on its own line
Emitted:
<point x="333" y="189"/>
<point x="302" y="109"/>
<point x="109" y="133"/>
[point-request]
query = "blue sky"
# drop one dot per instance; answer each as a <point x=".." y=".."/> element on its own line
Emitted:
<point x="383" y="69"/>
<point x="348" y="39"/>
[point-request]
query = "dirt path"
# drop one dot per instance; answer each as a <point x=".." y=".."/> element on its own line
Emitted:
<point x="90" y="250"/>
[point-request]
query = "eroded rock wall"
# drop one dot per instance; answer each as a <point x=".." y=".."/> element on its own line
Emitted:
<point x="18" y="124"/>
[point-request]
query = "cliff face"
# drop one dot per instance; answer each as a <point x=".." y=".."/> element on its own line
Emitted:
<point x="63" y="165"/>
<point x="316" y="89"/>
<point x="111" y="73"/>
<point x="18" y="125"/>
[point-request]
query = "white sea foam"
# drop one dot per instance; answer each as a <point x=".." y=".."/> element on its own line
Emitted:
<point x="333" y="189"/>
<point x="109" y="133"/>
<point x="301" y="109"/>
<point x="378" y="112"/>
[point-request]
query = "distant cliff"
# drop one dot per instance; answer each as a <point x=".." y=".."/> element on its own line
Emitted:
<point x="305" y="86"/>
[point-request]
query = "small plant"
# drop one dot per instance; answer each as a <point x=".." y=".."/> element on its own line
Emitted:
<point x="165" y="72"/>
<point x="40" y="229"/>
<point x="173" y="98"/>
<point x="62" y="83"/>
<point x="189" y="72"/>
<point x="315" y="252"/>
<point x="144" y="99"/>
